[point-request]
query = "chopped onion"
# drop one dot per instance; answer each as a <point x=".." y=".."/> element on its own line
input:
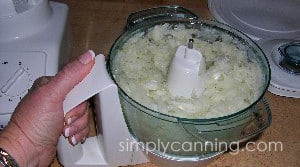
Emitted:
<point x="232" y="81"/>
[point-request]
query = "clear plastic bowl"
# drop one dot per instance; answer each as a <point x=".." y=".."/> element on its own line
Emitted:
<point x="154" y="128"/>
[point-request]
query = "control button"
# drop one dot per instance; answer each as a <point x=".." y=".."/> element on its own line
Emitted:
<point x="12" y="80"/>
<point x="18" y="70"/>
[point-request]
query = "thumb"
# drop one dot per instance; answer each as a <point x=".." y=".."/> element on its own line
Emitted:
<point x="72" y="74"/>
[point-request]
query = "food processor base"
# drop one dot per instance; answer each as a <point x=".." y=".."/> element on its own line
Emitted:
<point x="165" y="160"/>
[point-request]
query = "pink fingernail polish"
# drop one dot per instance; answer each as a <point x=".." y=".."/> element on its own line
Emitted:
<point x="87" y="57"/>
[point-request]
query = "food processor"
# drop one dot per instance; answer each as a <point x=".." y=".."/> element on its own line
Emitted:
<point x="34" y="41"/>
<point x="122" y="122"/>
<point x="275" y="27"/>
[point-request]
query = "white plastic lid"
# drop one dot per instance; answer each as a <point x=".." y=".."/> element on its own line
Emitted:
<point x="260" y="18"/>
<point x="282" y="83"/>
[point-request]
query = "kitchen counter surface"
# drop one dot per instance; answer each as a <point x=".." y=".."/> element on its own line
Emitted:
<point x="97" y="23"/>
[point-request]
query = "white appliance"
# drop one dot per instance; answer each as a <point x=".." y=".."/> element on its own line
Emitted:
<point x="102" y="150"/>
<point x="34" y="42"/>
<point x="273" y="24"/>
<point x="113" y="145"/>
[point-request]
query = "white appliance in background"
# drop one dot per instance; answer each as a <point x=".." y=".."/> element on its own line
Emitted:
<point x="34" y="42"/>
<point x="275" y="26"/>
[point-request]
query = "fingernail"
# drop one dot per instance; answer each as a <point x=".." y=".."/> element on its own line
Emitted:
<point x="87" y="57"/>
<point x="67" y="132"/>
<point x="69" y="121"/>
<point x="74" y="142"/>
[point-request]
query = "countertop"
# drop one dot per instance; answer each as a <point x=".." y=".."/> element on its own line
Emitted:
<point x="96" y="24"/>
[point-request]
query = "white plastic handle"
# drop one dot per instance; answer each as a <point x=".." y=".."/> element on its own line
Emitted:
<point x="102" y="150"/>
<point x="89" y="152"/>
<point x="92" y="84"/>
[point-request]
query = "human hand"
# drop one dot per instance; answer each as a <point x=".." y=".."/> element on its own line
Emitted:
<point x="32" y="134"/>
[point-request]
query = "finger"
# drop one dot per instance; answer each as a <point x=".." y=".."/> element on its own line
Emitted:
<point x="72" y="74"/>
<point x="80" y="124"/>
<point x="41" y="81"/>
<point x="76" y="113"/>
<point x="79" y="136"/>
